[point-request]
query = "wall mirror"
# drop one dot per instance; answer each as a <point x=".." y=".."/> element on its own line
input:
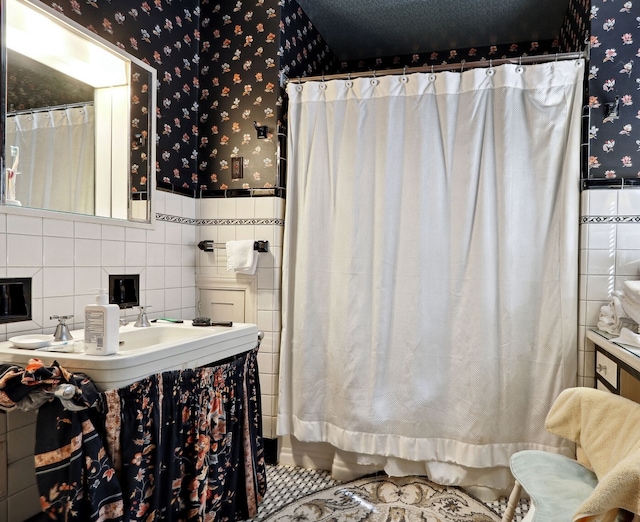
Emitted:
<point x="76" y="120"/>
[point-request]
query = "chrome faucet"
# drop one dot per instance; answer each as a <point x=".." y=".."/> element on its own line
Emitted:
<point x="142" y="319"/>
<point x="62" y="330"/>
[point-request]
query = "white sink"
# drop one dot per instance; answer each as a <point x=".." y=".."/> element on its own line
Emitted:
<point x="145" y="351"/>
<point x="134" y="339"/>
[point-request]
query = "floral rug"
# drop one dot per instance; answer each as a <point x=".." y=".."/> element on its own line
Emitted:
<point x="387" y="499"/>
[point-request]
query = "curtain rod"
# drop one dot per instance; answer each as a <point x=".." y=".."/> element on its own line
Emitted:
<point x="50" y="108"/>
<point x="446" y="67"/>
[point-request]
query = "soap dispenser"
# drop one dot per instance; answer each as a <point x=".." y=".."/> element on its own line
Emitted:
<point x="101" y="326"/>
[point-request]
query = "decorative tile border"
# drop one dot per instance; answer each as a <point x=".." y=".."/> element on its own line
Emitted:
<point x="609" y="219"/>
<point x="242" y="221"/>
<point x="228" y="221"/>
<point x="176" y="219"/>
<point x="280" y="222"/>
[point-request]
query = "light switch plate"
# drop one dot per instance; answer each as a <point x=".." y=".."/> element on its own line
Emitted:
<point x="237" y="168"/>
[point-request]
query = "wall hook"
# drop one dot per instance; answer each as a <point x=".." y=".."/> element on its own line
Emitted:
<point x="261" y="130"/>
<point x="612" y="110"/>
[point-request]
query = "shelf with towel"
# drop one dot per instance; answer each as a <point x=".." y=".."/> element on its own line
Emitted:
<point x="210" y="246"/>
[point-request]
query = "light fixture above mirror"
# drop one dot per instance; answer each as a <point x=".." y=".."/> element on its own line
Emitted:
<point x="106" y="176"/>
<point x="36" y="35"/>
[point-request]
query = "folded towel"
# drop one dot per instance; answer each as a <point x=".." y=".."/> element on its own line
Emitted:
<point x="613" y="316"/>
<point x="627" y="337"/>
<point x="632" y="290"/>
<point x="607" y="428"/>
<point x="241" y="257"/>
<point x="631" y="308"/>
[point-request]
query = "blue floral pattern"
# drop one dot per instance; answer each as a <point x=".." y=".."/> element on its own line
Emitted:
<point x="182" y="445"/>
<point x="220" y="66"/>
<point x="613" y="90"/>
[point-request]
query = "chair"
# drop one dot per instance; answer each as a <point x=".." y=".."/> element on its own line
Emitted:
<point x="603" y="482"/>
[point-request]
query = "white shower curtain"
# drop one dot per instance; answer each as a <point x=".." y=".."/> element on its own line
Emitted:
<point x="430" y="266"/>
<point x="57" y="158"/>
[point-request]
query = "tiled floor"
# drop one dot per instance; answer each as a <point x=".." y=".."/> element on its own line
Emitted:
<point x="286" y="484"/>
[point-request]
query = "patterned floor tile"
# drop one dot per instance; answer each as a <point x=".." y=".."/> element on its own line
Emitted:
<point x="286" y="484"/>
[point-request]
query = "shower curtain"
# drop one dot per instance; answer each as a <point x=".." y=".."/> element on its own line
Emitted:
<point x="51" y="142"/>
<point x="430" y="266"/>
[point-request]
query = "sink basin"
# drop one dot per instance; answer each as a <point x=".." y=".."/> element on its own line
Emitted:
<point x="149" y="338"/>
<point x="145" y="351"/>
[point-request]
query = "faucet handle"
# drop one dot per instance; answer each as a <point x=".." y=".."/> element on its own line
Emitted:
<point x="62" y="332"/>
<point x="62" y="318"/>
<point x="142" y="317"/>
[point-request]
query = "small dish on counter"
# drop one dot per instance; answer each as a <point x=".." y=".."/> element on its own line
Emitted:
<point x="31" y="341"/>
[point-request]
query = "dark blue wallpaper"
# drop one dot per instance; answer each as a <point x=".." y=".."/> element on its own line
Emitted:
<point x="219" y="70"/>
<point x="245" y="51"/>
<point x="165" y="34"/>
<point x="614" y="129"/>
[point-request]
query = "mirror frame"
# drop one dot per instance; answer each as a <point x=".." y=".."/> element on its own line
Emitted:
<point x="141" y="139"/>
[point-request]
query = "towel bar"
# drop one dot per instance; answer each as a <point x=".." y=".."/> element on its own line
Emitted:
<point x="209" y="246"/>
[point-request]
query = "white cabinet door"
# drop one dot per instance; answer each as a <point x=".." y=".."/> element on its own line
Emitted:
<point x="222" y="305"/>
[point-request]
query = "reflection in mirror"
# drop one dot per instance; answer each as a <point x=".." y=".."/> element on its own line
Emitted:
<point x="48" y="111"/>
<point x="78" y="115"/>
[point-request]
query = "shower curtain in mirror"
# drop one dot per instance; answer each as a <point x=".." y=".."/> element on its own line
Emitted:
<point x="430" y="266"/>
<point x="57" y="158"/>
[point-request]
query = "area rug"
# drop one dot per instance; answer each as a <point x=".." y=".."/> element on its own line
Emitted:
<point x="387" y="499"/>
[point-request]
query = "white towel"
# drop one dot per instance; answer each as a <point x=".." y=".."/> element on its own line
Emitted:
<point x="241" y="257"/>
<point x="632" y="290"/>
<point x="613" y="316"/>
<point x="627" y="337"/>
<point x="631" y="308"/>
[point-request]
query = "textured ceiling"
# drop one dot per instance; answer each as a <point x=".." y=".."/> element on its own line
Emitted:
<point x="356" y="29"/>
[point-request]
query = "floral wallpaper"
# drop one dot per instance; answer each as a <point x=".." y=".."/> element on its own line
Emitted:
<point x="614" y="127"/>
<point x="239" y="90"/>
<point x="218" y="71"/>
<point x="448" y="56"/>
<point x="574" y="32"/>
<point x="245" y="50"/>
<point x="220" y="66"/>
<point x="164" y="34"/>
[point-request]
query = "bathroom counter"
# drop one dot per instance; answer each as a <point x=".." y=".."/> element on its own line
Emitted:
<point x="200" y="347"/>
<point x="617" y="365"/>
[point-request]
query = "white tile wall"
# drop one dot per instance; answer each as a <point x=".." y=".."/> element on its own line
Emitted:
<point x="69" y="256"/>
<point x="245" y="215"/>
<point x="609" y="255"/>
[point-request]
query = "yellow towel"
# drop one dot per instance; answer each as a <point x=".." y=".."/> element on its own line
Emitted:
<point x="607" y="428"/>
